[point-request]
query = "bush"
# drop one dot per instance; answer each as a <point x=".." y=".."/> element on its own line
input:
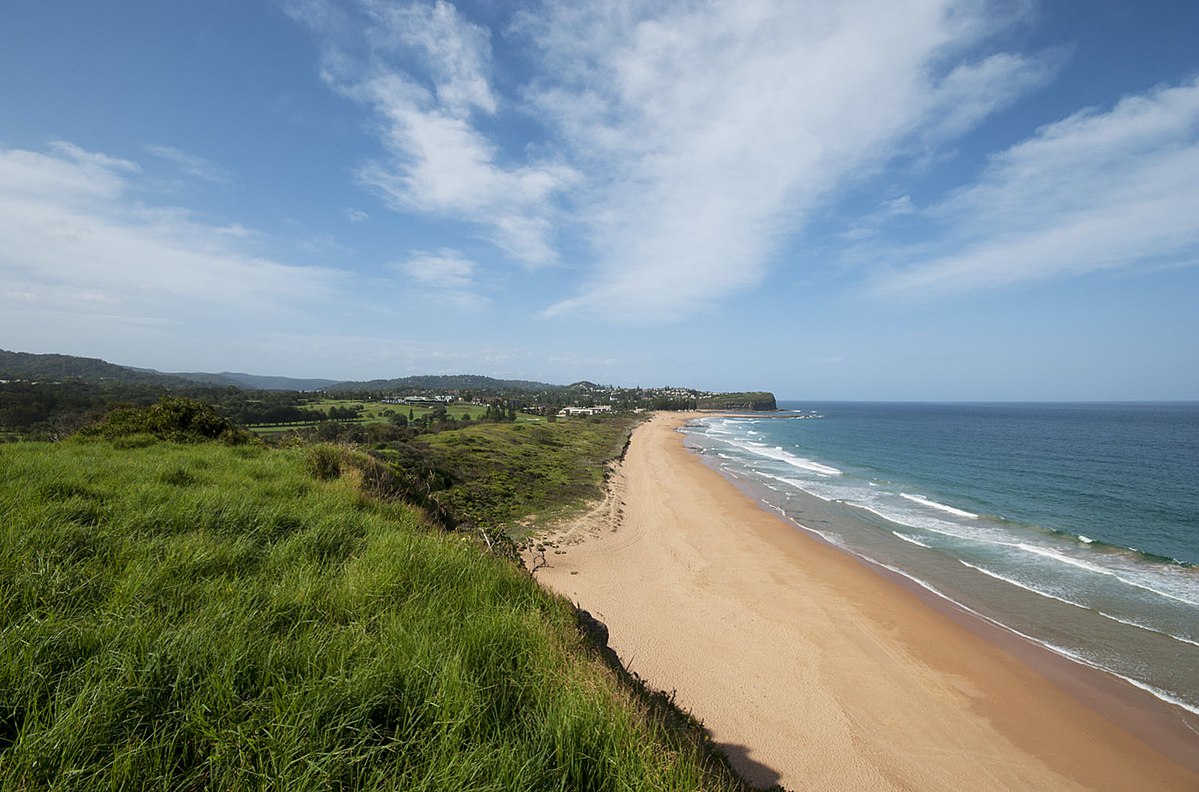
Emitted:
<point x="324" y="462"/>
<point x="175" y="418"/>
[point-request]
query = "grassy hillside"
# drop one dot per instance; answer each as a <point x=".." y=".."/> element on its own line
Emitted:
<point x="208" y="616"/>
<point x="500" y="473"/>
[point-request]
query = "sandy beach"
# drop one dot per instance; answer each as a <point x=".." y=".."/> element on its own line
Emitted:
<point x="813" y="671"/>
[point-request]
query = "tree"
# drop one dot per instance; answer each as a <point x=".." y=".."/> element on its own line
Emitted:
<point x="175" y="418"/>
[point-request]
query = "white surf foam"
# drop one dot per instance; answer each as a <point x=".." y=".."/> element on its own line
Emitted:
<point x="1022" y="585"/>
<point x="777" y="453"/>
<point x="1156" y="692"/>
<point x="1088" y="566"/>
<point x="932" y="504"/>
<point x="911" y="539"/>
<point x="1132" y="623"/>
<point x="930" y="524"/>
<point x="1058" y="650"/>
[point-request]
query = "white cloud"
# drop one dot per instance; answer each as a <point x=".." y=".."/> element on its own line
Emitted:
<point x="72" y="238"/>
<point x="357" y="216"/>
<point x="710" y="131"/>
<point x="445" y="275"/>
<point x="68" y="174"/>
<point x="192" y="165"/>
<point x="1097" y="190"/>
<point x="455" y="52"/>
<point x="899" y="206"/>
<point x="686" y="139"/>
<point x="423" y="70"/>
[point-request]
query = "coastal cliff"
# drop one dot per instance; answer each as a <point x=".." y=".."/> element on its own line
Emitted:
<point x="756" y="401"/>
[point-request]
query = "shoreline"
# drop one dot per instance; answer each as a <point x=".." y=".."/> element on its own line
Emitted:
<point x="1157" y="722"/>
<point x="813" y="670"/>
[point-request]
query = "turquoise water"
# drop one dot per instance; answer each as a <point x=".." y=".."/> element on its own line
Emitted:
<point x="1073" y="525"/>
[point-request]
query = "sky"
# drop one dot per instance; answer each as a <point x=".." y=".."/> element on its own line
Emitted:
<point x="935" y="200"/>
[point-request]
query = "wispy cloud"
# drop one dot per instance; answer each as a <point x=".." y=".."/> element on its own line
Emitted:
<point x="445" y="275"/>
<point x="711" y="131"/>
<point x="423" y="70"/>
<point x="73" y="237"/>
<point x="690" y="138"/>
<point x="1097" y="190"/>
<point x="192" y="165"/>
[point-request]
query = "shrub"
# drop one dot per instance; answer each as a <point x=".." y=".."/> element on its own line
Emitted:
<point x="324" y="462"/>
<point x="175" y="418"/>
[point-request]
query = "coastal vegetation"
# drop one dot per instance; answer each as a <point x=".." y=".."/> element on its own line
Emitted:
<point x="183" y="606"/>
<point x="49" y="397"/>
<point x="517" y="477"/>
<point x="750" y="401"/>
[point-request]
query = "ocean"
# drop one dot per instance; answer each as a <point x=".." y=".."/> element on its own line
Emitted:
<point x="1075" y="526"/>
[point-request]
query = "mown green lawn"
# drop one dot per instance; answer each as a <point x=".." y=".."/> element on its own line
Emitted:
<point x="378" y="412"/>
<point x="238" y="617"/>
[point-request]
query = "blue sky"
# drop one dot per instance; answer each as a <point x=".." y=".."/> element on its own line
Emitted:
<point x="866" y="199"/>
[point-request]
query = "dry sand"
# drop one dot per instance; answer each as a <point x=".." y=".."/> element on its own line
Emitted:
<point x="810" y="669"/>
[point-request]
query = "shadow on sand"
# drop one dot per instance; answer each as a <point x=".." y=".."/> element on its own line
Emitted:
<point x="755" y="773"/>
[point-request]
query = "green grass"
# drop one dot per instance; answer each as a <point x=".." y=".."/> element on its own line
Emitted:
<point x="215" y="617"/>
<point x="378" y="412"/>
<point x="520" y="476"/>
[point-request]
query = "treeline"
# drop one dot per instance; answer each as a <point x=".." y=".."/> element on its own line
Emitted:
<point x="54" y="410"/>
<point x="752" y="400"/>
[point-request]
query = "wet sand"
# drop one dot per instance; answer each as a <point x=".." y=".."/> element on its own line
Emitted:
<point x="812" y="670"/>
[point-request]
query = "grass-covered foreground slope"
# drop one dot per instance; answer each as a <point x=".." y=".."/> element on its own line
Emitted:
<point x="210" y="616"/>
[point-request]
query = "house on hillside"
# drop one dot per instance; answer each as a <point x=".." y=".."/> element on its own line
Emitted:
<point x="566" y="412"/>
<point x="427" y="401"/>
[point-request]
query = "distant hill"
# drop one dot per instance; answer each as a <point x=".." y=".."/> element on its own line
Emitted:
<point x="68" y="368"/>
<point x="57" y="368"/>
<point x="27" y="366"/>
<point x="471" y="382"/>
<point x="256" y="381"/>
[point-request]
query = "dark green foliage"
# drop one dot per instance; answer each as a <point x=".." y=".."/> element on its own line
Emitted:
<point x="343" y="413"/>
<point x="56" y="410"/>
<point x="50" y="397"/>
<point x="495" y="474"/>
<point x="754" y="400"/>
<point x="58" y="368"/>
<point x="176" y="418"/>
